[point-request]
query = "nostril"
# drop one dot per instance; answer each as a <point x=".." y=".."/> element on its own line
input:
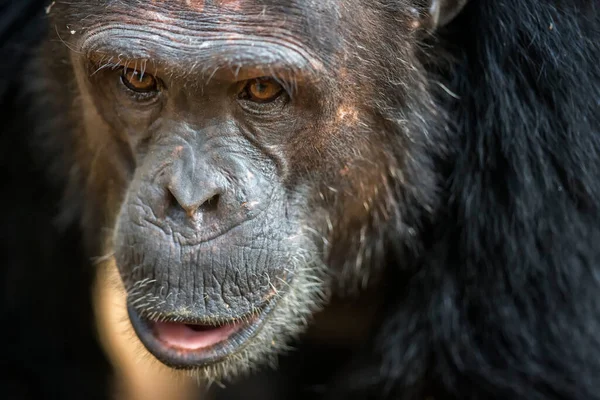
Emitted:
<point x="210" y="205"/>
<point x="192" y="202"/>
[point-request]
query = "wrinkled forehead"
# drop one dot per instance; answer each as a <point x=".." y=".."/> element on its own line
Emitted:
<point x="206" y="5"/>
<point x="299" y="17"/>
<point x="255" y="31"/>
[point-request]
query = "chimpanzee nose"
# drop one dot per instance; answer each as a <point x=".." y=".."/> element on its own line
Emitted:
<point x="194" y="198"/>
<point x="196" y="188"/>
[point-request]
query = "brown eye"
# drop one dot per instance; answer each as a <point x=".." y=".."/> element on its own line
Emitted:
<point x="262" y="90"/>
<point x="138" y="82"/>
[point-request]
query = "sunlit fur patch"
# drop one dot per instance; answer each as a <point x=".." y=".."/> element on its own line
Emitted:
<point x="347" y="115"/>
<point x="199" y="5"/>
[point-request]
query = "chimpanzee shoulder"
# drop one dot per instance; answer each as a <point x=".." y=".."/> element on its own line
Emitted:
<point x="505" y="301"/>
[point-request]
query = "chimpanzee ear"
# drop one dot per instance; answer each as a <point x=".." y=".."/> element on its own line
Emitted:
<point x="442" y="12"/>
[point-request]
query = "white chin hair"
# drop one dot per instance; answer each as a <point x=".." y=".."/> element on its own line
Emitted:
<point x="294" y="307"/>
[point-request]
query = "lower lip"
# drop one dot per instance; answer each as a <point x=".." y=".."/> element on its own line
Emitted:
<point x="179" y="346"/>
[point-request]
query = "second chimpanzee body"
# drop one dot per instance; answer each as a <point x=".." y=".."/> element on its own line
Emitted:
<point x="247" y="161"/>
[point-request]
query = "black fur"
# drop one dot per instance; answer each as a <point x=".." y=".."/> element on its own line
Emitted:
<point x="505" y="303"/>
<point x="49" y="347"/>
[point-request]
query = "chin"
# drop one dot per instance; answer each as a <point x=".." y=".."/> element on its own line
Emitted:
<point x="213" y="349"/>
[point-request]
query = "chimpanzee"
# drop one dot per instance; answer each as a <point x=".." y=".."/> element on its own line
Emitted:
<point x="246" y="164"/>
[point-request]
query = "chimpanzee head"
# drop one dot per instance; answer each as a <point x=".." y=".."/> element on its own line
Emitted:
<point x="248" y="157"/>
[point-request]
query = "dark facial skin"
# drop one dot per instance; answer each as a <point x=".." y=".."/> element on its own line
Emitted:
<point x="241" y="152"/>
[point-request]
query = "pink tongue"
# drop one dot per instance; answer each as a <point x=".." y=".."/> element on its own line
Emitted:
<point x="182" y="336"/>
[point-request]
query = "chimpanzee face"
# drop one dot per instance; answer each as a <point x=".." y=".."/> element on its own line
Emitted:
<point x="260" y="151"/>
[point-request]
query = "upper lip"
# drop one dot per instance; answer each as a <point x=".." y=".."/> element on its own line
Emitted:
<point x="191" y="235"/>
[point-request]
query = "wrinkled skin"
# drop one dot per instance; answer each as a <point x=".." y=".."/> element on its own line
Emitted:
<point x="242" y="162"/>
<point x="225" y="208"/>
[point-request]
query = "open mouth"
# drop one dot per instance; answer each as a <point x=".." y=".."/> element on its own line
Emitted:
<point x="185" y="344"/>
